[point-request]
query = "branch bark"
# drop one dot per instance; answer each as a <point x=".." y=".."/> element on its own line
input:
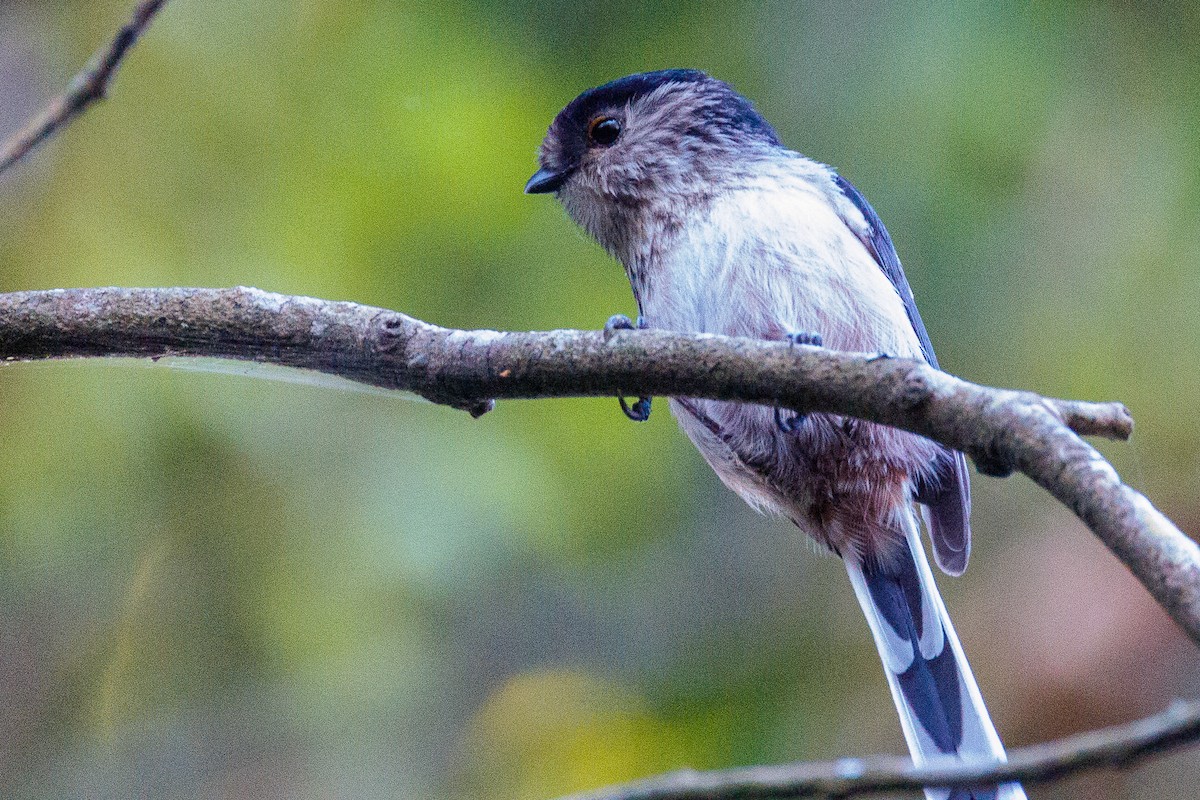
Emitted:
<point x="1000" y="429"/>
<point x="90" y="85"/>
<point x="1119" y="746"/>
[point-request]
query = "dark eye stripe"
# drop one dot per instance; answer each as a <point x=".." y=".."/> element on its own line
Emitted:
<point x="604" y="131"/>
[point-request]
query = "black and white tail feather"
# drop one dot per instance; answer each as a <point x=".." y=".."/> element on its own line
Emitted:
<point x="941" y="710"/>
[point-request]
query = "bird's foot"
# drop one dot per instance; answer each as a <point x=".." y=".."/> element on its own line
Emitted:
<point x="640" y="410"/>
<point x="620" y="322"/>
<point x="795" y="421"/>
<point x="805" y="337"/>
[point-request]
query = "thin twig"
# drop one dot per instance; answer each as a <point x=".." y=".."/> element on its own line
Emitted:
<point x="1119" y="746"/>
<point x="1000" y="429"/>
<point x="90" y="85"/>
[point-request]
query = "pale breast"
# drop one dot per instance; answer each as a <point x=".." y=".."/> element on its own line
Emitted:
<point x="771" y="259"/>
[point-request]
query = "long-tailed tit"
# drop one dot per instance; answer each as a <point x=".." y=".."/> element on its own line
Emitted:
<point x="721" y="229"/>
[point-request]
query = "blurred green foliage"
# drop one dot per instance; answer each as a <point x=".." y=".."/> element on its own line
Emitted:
<point x="213" y="586"/>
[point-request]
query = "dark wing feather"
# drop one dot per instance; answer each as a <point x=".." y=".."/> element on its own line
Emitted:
<point x="948" y="495"/>
<point x="879" y="244"/>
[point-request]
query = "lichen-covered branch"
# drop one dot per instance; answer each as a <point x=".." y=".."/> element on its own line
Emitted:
<point x="1002" y="430"/>
<point x="1120" y="746"/>
<point x="85" y="88"/>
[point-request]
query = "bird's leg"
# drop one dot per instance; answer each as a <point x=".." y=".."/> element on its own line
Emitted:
<point x="640" y="410"/>
<point x="793" y="422"/>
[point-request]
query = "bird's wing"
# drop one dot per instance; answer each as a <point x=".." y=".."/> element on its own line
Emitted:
<point x="948" y="496"/>
<point x="879" y="245"/>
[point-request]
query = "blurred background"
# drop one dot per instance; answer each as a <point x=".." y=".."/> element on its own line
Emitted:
<point x="216" y="586"/>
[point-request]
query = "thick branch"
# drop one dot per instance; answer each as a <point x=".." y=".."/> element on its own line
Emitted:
<point x="1000" y="429"/>
<point x="88" y="86"/>
<point x="1120" y="746"/>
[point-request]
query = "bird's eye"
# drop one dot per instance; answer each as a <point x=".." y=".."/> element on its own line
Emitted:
<point x="604" y="131"/>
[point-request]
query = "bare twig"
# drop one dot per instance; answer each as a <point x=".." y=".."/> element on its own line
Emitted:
<point x="1000" y="429"/>
<point x="1119" y="746"/>
<point x="88" y="86"/>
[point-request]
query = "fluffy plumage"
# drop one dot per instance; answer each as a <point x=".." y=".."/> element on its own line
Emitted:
<point x="723" y="230"/>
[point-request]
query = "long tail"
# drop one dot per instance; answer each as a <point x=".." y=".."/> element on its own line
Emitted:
<point x="940" y="707"/>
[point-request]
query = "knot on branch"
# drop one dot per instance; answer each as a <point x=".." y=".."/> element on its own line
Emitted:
<point x="391" y="333"/>
<point x="432" y="361"/>
<point x="989" y="462"/>
<point x="915" y="391"/>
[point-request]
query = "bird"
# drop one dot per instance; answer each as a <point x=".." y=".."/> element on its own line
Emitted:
<point x="722" y="229"/>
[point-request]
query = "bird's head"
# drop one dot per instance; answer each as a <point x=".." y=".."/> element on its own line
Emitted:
<point x="658" y="142"/>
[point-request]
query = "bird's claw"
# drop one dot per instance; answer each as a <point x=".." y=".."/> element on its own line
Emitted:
<point x="788" y="424"/>
<point x="805" y="337"/>
<point x="640" y="410"/>
<point x="795" y="421"/>
<point x="620" y="322"/>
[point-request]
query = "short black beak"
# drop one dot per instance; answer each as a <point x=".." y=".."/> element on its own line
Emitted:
<point x="545" y="180"/>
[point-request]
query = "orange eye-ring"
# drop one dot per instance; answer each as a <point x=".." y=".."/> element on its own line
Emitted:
<point x="604" y="131"/>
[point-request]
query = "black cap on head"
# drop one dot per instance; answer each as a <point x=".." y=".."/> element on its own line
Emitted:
<point x="566" y="140"/>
